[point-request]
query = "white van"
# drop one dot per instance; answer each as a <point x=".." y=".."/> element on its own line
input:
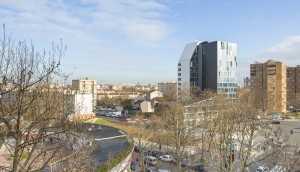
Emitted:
<point x="151" y="160"/>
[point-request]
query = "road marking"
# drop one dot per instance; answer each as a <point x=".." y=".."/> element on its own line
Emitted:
<point x="107" y="138"/>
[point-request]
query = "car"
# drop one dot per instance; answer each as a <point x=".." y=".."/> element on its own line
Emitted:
<point x="150" y="160"/>
<point x="163" y="170"/>
<point x="136" y="149"/>
<point x="151" y="169"/>
<point x="185" y="163"/>
<point x="280" y="144"/>
<point x="262" y="169"/>
<point x="276" y="122"/>
<point x="155" y="153"/>
<point x="166" y="158"/>
<point x="279" y="168"/>
<point x="200" y="168"/>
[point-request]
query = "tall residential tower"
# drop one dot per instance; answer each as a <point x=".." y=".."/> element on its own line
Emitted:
<point x="293" y="87"/>
<point x="268" y="85"/>
<point x="208" y="65"/>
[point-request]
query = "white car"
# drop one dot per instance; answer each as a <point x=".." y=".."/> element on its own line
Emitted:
<point x="163" y="170"/>
<point x="166" y="158"/>
<point x="262" y="169"/>
<point x="279" y="168"/>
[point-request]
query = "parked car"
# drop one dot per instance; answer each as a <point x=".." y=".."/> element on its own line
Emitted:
<point x="166" y="158"/>
<point x="280" y="144"/>
<point x="151" y="169"/>
<point x="279" y="168"/>
<point x="136" y="149"/>
<point x="155" y="153"/>
<point x="150" y="160"/>
<point x="262" y="169"/>
<point x="185" y="163"/>
<point x="276" y="122"/>
<point x="163" y="170"/>
<point x="200" y="168"/>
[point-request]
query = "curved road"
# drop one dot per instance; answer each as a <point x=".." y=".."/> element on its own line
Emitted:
<point x="108" y="142"/>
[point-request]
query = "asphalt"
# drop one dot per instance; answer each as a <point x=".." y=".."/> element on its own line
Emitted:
<point x="107" y="143"/>
<point x="105" y="149"/>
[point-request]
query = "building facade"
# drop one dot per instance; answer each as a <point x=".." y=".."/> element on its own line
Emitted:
<point x="86" y="86"/>
<point x="268" y="85"/>
<point x="169" y="90"/>
<point x="293" y="87"/>
<point x="246" y="82"/>
<point x="147" y="106"/>
<point x="208" y="65"/>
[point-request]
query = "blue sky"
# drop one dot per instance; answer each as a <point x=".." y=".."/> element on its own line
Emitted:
<point x="130" y="41"/>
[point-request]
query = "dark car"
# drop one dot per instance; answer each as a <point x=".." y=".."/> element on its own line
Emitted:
<point x="155" y="153"/>
<point x="136" y="149"/>
<point x="185" y="163"/>
<point x="200" y="168"/>
<point x="276" y="122"/>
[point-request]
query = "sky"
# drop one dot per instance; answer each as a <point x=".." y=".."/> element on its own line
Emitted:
<point x="140" y="41"/>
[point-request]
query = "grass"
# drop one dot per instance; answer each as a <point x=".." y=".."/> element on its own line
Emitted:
<point x="101" y="121"/>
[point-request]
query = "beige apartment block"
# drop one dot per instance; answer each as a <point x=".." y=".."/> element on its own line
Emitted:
<point x="86" y="86"/>
<point x="268" y="84"/>
<point x="293" y="87"/>
<point x="169" y="90"/>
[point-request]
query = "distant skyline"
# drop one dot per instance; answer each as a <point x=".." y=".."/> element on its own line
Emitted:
<point x="131" y="41"/>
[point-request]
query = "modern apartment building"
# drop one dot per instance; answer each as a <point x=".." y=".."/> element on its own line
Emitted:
<point x="169" y="90"/>
<point x="268" y="85"/>
<point x="293" y="87"/>
<point x="86" y="86"/>
<point x="208" y="65"/>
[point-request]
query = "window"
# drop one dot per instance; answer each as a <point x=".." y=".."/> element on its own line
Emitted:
<point x="179" y="64"/>
<point x="179" y="74"/>
<point x="179" y="79"/>
<point x="179" y="69"/>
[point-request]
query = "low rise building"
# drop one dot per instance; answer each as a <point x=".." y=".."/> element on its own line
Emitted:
<point x="154" y="94"/>
<point x="147" y="106"/>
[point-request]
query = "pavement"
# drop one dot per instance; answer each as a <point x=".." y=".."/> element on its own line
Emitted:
<point x="293" y="141"/>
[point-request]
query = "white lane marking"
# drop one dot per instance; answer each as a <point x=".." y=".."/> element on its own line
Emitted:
<point x="107" y="138"/>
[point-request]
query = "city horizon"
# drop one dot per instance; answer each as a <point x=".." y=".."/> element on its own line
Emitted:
<point x="141" y="41"/>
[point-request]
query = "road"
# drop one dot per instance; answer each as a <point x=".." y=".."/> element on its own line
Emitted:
<point x="293" y="140"/>
<point x="107" y="143"/>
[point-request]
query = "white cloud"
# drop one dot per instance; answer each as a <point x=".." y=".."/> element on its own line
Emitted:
<point x="288" y="45"/>
<point x="140" y="20"/>
<point x="287" y="51"/>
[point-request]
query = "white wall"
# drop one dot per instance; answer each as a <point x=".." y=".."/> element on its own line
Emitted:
<point x="155" y="94"/>
<point x="83" y="104"/>
<point x="146" y="107"/>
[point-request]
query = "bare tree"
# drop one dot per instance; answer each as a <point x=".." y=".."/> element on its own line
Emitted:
<point x="34" y="116"/>
<point x="180" y="126"/>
